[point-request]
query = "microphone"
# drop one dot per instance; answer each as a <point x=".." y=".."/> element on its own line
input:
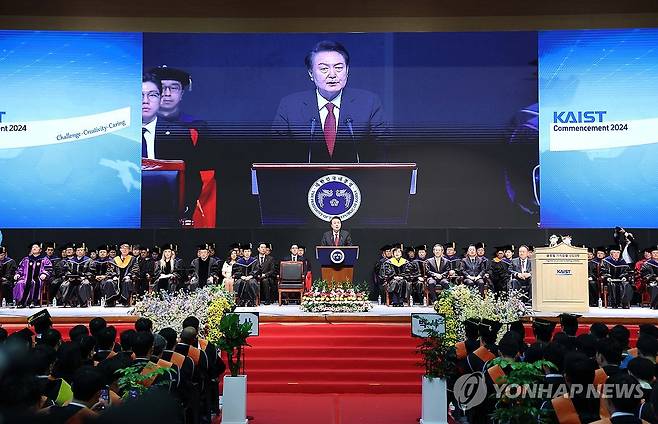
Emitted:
<point x="313" y="123"/>
<point x="349" y="122"/>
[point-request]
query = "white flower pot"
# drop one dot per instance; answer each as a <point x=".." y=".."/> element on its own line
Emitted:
<point x="234" y="400"/>
<point x="435" y="401"/>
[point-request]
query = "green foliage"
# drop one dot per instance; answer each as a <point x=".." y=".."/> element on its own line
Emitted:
<point x="233" y="340"/>
<point x="518" y="409"/>
<point x="439" y="356"/>
<point x="132" y="379"/>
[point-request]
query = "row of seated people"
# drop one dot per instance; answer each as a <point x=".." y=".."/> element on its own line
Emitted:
<point x="588" y="359"/>
<point x="411" y="275"/>
<point x="59" y="381"/>
<point x="78" y="278"/>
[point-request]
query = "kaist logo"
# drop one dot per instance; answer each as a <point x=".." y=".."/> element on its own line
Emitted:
<point x="578" y="117"/>
<point x="563" y="271"/>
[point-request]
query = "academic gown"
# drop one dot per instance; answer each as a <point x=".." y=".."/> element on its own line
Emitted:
<point x="76" y="289"/>
<point x="7" y="272"/>
<point x="620" y="292"/>
<point x="396" y="274"/>
<point x="28" y="286"/>
<point x="123" y="287"/>
<point x="649" y="273"/>
<point x="245" y="287"/>
<point x="101" y="271"/>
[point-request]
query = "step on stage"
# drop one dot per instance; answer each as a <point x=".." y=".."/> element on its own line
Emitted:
<point x="293" y="313"/>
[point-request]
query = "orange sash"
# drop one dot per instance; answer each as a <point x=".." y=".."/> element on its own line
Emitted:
<point x="177" y="358"/>
<point x="461" y="350"/>
<point x="599" y="377"/>
<point x="565" y="411"/>
<point x="203" y="344"/>
<point x="195" y="354"/>
<point x="497" y="374"/>
<point x="484" y="354"/>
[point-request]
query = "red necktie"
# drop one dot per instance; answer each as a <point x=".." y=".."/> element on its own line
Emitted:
<point x="330" y="129"/>
<point x="336" y="237"/>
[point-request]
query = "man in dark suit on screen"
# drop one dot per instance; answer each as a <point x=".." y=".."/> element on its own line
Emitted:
<point x="338" y="124"/>
<point x="168" y="140"/>
<point x="336" y="236"/>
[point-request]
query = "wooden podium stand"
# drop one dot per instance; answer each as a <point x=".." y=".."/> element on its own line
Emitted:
<point x="559" y="280"/>
<point x="337" y="262"/>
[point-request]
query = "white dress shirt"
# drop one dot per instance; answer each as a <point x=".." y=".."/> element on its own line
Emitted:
<point x="149" y="136"/>
<point x="322" y="102"/>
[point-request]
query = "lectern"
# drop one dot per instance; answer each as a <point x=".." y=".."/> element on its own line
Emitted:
<point x="163" y="192"/>
<point x="559" y="281"/>
<point x="337" y="262"/>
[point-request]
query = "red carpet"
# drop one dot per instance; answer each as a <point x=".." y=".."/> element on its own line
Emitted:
<point x="333" y="358"/>
<point x="333" y="409"/>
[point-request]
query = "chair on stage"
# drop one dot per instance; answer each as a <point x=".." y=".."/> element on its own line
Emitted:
<point x="45" y="293"/>
<point x="291" y="278"/>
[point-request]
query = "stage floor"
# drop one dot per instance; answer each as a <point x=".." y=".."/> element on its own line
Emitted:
<point x="378" y="313"/>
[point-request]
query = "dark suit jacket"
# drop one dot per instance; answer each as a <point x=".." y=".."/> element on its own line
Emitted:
<point x="268" y="267"/>
<point x="298" y="114"/>
<point x="344" y="238"/>
<point x="442" y="267"/>
<point x="516" y="266"/>
<point x="476" y="269"/>
<point x="173" y="141"/>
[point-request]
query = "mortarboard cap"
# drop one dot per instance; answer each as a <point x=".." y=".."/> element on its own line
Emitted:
<point x="614" y="247"/>
<point x="78" y="245"/>
<point x="591" y="250"/>
<point x="480" y="245"/>
<point x="471" y="326"/>
<point x="269" y="246"/>
<point x="170" y="246"/>
<point x="385" y="247"/>
<point x="50" y="244"/>
<point x="569" y="323"/>
<point x="517" y="327"/>
<point x="234" y="246"/>
<point x="156" y="249"/>
<point x="36" y="243"/>
<point x="654" y="248"/>
<point x="450" y="244"/>
<point x="649" y="330"/>
<point x="202" y="246"/>
<point x="41" y="316"/>
<point x="500" y="248"/>
<point x="164" y="72"/>
<point x="245" y="246"/>
<point x="489" y="328"/>
<point x="105" y="247"/>
<point x="600" y="249"/>
<point x="3" y="249"/>
<point x="397" y="246"/>
<point x="409" y="249"/>
<point x="421" y="247"/>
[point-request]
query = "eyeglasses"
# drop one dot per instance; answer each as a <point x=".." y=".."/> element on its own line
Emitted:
<point x="152" y="95"/>
<point x="172" y="88"/>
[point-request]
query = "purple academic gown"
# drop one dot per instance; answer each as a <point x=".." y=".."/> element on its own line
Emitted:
<point x="28" y="286"/>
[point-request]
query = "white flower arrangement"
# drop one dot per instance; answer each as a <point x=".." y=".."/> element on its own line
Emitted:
<point x="170" y="309"/>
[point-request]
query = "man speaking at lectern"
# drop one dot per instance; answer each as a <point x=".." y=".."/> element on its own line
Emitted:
<point x="336" y="236"/>
<point x="333" y="121"/>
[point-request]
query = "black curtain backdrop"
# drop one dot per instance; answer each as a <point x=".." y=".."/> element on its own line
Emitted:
<point x="369" y="240"/>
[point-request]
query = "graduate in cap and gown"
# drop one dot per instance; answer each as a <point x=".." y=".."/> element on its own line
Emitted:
<point x="419" y="275"/>
<point x="649" y="274"/>
<point x="245" y="275"/>
<point x="499" y="269"/>
<point x="205" y="268"/>
<point x="102" y="269"/>
<point x="77" y="290"/>
<point x="396" y="274"/>
<point x="454" y="274"/>
<point x="377" y="280"/>
<point x="168" y="273"/>
<point x="616" y="274"/>
<point x="127" y="267"/>
<point x="7" y="272"/>
<point x="32" y="273"/>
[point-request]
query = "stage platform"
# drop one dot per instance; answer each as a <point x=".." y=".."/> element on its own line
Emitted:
<point x="293" y="313"/>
